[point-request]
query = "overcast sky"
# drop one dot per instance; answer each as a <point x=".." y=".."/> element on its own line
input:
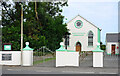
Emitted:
<point x="102" y="13"/>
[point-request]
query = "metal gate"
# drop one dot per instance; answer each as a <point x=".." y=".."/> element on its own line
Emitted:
<point x="44" y="57"/>
<point x="86" y="59"/>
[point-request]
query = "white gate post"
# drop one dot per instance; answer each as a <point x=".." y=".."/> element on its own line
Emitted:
<point x="97" y="57"/>
<point x="61" y="56"/>
<point x="27" y="56"/>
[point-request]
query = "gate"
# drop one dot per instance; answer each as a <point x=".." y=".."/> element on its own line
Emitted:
<point x="86" y="59"/>
<point x="44" y="57"/>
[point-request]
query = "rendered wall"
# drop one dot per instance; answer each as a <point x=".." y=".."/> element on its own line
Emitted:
<point x="64" y="58"/>
<point x="27" y="58"/>
<point x="83" y="36"/>
<point x="97" y="59"/>
<point x="15" y="60"/>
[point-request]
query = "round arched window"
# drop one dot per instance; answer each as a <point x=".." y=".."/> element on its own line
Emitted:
<point x="78" y="24"/>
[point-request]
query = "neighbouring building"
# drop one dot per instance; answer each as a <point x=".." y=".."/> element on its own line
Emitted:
<point x="112" y="45"/>
<point x="83" y="35"/>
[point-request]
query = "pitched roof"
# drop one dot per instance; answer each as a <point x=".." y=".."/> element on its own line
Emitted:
<point x="112" y="37"/>
<point x="85" y="20"/>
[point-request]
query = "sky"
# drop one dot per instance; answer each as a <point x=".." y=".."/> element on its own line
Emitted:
<point x="102" y="13"/>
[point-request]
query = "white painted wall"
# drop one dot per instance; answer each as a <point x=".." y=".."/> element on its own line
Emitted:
<point x="67" y="58"/>
<point x="109" y="47"/>
<point x="97" y="59"/>
<point x="16" y="58"/>
<point x="82" y="39"/>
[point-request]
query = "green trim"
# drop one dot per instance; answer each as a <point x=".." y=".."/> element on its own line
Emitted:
<point x="117" y="54"/>
<point x="27" y="48"/>
<point x="98" y="35"/>
<point x="61" y="48"/>
<point x="70" y="51"/>
<point x="89" y="31"/>
<point x="78" y="35"/>
<point x="108" y="53"/>
<point x="77" y="26"/>
<point x="5" y="47"/>
<point x="97" y="49"/>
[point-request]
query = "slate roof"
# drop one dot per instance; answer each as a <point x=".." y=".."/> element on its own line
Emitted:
<point x="112" y="37"/>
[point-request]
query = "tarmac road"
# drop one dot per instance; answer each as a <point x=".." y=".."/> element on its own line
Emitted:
<point x="110" y="67"/>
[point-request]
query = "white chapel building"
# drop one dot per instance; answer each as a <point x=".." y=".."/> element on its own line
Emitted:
<point x="84" y="36"/>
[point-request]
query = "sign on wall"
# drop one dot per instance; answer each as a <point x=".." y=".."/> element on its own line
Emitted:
<point x="7" y="46"/>
<point x="6" y="57"/>
<point x="78" y="34"/>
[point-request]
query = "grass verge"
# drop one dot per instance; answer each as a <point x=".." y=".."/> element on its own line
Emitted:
<point x="41" y="61"/>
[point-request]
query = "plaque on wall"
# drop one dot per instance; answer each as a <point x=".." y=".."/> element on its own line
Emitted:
<point x="7" y="46"/>
<point x="6" y="57"/>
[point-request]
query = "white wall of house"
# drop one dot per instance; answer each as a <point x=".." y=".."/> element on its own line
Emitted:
<point x="109" y="47"/>
<point x="83" y="31"/>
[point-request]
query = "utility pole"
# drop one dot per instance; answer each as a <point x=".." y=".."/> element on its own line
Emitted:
<point x="21" y="31"/>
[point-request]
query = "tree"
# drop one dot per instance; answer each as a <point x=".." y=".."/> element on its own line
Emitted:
<point x="45" y="29"/>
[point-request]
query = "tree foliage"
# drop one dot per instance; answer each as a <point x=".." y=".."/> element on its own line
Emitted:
<point x="46" y="30"/>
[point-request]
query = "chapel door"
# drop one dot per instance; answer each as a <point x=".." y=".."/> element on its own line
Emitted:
<point x="78" y="47"/>
<point x="113" y="49"/>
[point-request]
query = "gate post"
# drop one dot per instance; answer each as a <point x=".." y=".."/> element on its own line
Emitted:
<point x="98" y="57"/>
<point x="27" y="56"/>
<point x="61" y="55"/>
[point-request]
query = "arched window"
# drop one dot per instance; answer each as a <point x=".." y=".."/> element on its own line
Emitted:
<point x="90" y="38"/>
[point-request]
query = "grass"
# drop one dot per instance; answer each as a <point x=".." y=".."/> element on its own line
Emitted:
<point x="41" y="61"/>
<point x="39" y="53"/>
